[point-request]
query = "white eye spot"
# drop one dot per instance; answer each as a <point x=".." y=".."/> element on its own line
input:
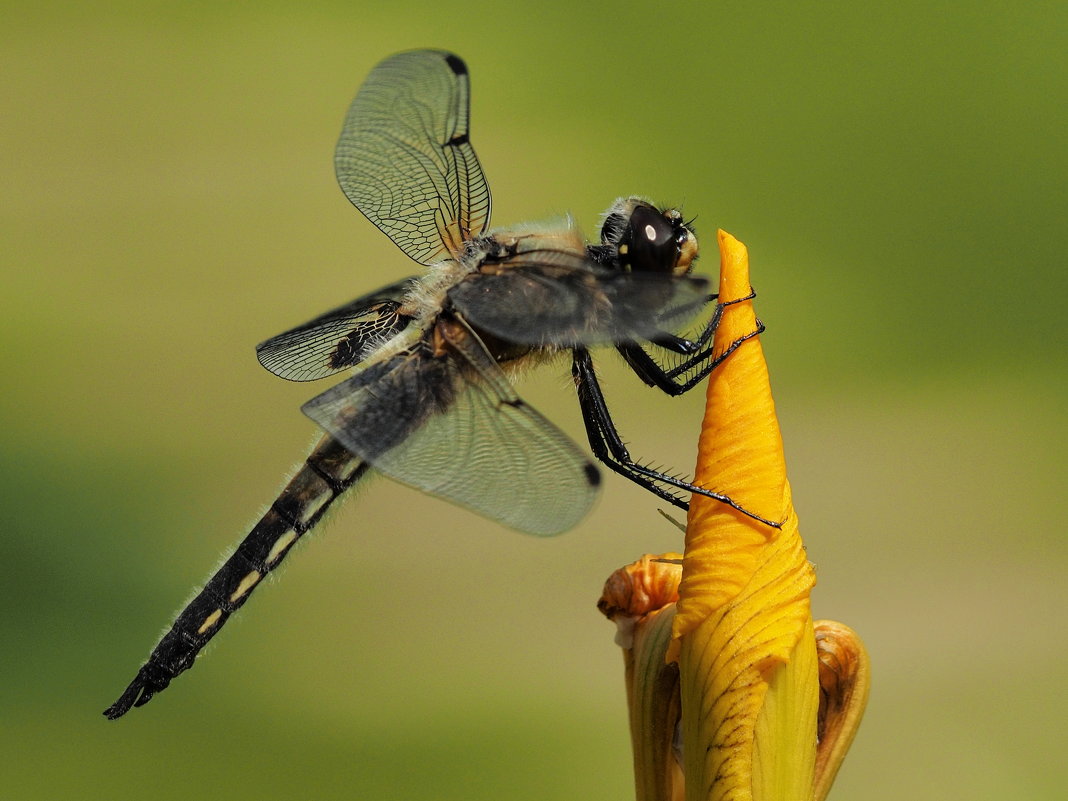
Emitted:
<point x="650" y="233"/>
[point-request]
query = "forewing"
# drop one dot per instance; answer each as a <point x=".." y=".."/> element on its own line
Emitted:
<point x="464" y="435"/>
<point x="338" y="339"/>
<point x="404" y="158"/>
<point x="560" y="298"/>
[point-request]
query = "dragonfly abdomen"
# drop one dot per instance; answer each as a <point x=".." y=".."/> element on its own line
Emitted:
<point x="328" y="471"/>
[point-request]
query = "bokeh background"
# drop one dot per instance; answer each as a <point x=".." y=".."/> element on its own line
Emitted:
<point x="899" y="174"/>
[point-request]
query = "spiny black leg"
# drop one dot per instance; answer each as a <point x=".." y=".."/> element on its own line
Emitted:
<point x="750" y="296"/>
<point x="653" y="374"/>
<point x="646" y="368"/>
<point x="670" y="342"/>
<point x="713" y="363"/>
<point x="687" y="347"/>
<point x="608" y="446"/>
<point x="604" y="440"/>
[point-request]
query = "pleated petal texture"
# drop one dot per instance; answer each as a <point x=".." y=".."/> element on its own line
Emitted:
<point x="743" y="629"/>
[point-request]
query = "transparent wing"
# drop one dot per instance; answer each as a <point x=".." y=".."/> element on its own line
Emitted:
<point x="404" y="158"/>
<point x="544" y="297"/>
<point x="338" y="339"/>
<point x="457" y="430"/>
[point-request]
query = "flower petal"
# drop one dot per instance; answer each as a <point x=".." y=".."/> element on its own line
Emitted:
<point x="640" y="600"/>
<point x="743" y="603"/>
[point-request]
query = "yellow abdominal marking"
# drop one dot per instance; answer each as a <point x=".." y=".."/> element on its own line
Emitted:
<point x="313" y="505"/>
<point x="280" y="546"/>
<point x="247" y="583"/>
<point x="210" y="621"/>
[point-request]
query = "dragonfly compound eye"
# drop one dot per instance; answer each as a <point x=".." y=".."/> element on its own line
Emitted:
<point x="651" y="242"/>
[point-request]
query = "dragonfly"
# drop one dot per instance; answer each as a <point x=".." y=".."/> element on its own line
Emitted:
<point x="430" y="401"/>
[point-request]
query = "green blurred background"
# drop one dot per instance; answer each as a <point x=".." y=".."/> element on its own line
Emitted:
<point x="899" y="175"/>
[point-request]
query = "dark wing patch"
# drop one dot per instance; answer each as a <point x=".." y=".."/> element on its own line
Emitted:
<point x="405" y="159"/>
<point x="455" y="428"/>
<point x="556" y="297"/>
<point x="338" y="339"/>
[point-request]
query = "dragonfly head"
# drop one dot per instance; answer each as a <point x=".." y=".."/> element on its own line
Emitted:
<point x="640" y="237"/>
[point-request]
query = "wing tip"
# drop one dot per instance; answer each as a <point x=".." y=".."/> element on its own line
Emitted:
<point x="456" y="64"/>
<point x="593" y="475"/>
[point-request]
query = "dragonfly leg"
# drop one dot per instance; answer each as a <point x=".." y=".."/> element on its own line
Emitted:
<point x="608" y="446"/>
<point x="685" y="375"/>
<point x="697" y="362"/>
